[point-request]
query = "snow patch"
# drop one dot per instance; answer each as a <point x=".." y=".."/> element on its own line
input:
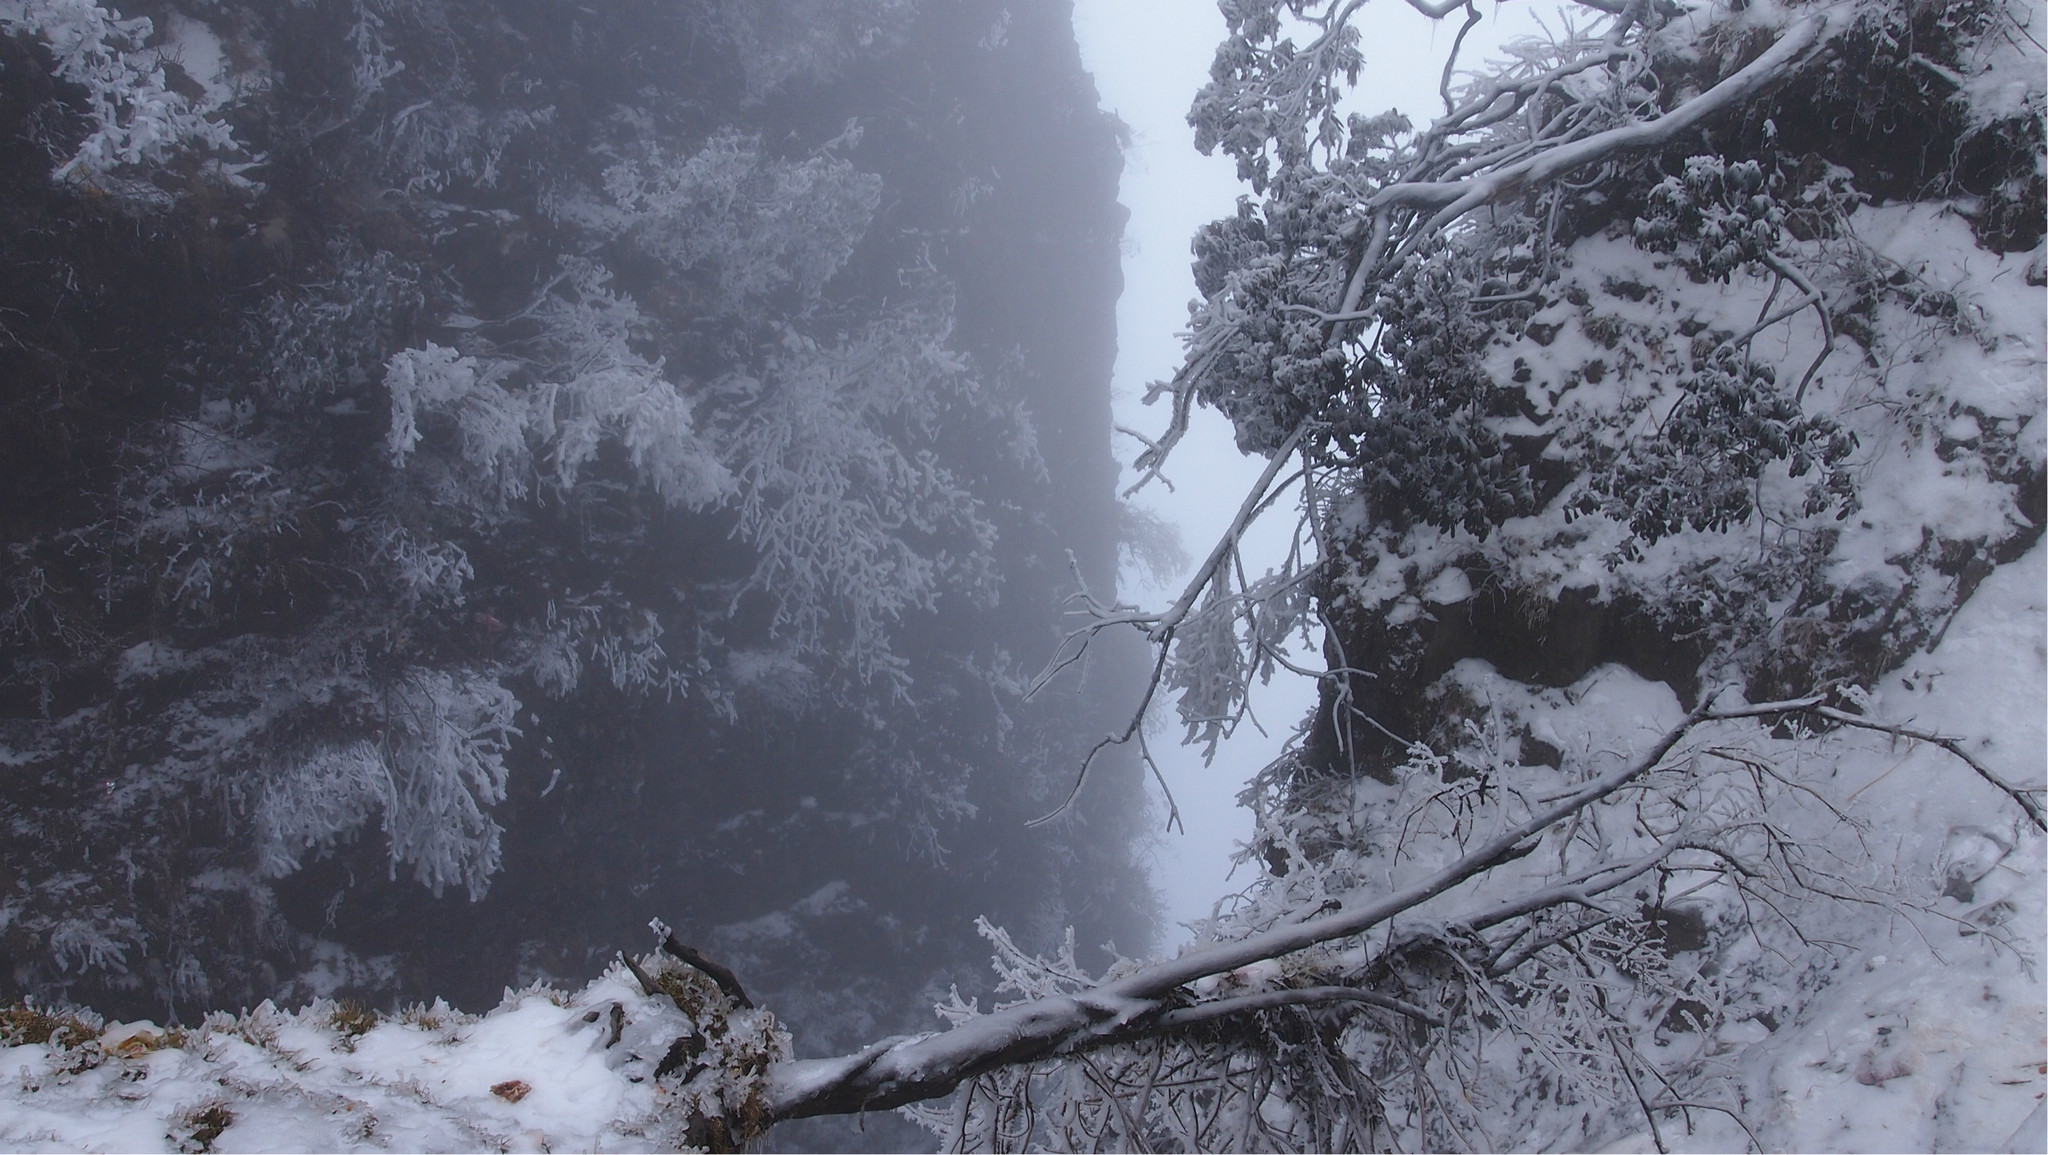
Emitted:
<point x="545" y="1070"/>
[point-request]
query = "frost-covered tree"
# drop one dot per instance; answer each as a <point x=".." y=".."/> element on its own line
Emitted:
<point x="1658" y="411"/>
<point x="134" y="117"/>
<point x="418" y="430"/>
<point x="1660" y="443"/>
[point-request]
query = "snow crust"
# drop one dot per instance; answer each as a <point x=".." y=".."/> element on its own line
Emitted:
<point x="545" y="1070"/>
<point x="1932" y="1037"/>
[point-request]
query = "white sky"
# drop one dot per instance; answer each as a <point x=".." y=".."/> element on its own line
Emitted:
<point x="1149" y="57"/>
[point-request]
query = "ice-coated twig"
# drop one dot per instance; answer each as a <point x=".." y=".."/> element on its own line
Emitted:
<point x="936" y="1065"/>
<point x="692" y="957"/>
<point x="1953" y="746"/>
<point x="647" y="986"/>
<point x="1226" y="545"/>
<point x="1299" y="996"/>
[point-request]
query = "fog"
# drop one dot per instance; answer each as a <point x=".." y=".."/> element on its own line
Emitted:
<point x="485" y="476"/>
<point x="1148" y="58"/>
<point x="488" y="480"/>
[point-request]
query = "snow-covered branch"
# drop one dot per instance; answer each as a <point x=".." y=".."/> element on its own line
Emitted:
<point x="138" y="118"/>
<point x="1453" y="199"/>
<point x="907" y="1071"/>
<point x="2022" y="796"/>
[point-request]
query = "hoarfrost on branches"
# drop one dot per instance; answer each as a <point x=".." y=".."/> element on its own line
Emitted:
<point x="327" y="623"/>
<point x="327" y="796"/>
<point x="438" y="764"/>
<point x="1669" y="504"/>
<point x="1594" y="358"/>
<point x="754" y="223"/>
<point x="137" y="119"/>
<point x="854" y="527"/>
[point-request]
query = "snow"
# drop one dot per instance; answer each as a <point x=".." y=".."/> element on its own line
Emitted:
<point x="138" y="120"/>
<point x="151" y="659"/>
<point x="1910" y="1015"/>
<point x="194" y="46"/>
<point x="1933" y="1034"/>
<point x="1918" y="1020"/>
<point x="545" y="1070"/>
<point x="1915" y="1019"/>
<point x="1448" y="588"/>
<point x="2007" y="80"/>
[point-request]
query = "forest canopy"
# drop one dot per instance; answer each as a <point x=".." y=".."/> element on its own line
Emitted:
<point x="483" y="475"/>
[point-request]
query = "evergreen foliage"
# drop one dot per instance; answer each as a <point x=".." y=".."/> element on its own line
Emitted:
<point x="470" y="446"/>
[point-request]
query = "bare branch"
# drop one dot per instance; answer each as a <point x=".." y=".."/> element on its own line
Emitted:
<point x="935" y="1065"/>
<point x="1785" y="269"/>
<point x="1183" y="1017"/>
<point x="1443" y="8"/>
<point x="716" y="972"/>
<point x="1953" y="746"/>
<point x="1815" y="704"/>
<point x="1580" y="890"/>
<point x="1134" y="727"/>
<point x="1451" y="59"/>
<point x="1162" y="630"/>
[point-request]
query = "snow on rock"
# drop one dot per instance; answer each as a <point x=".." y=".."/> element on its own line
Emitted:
<point x="1936" y="1038"/>
<point x="608" y="1068"/>
<point x="1933" y="1034"/>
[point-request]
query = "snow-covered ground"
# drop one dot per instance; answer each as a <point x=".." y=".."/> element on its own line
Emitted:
<point x="1932" y="1036"/>
<point x="1917" y="1022"/>
<point x="546" y="1070"/>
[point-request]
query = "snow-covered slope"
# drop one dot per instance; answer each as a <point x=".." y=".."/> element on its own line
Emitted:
<point x="1931" y="1034"/>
